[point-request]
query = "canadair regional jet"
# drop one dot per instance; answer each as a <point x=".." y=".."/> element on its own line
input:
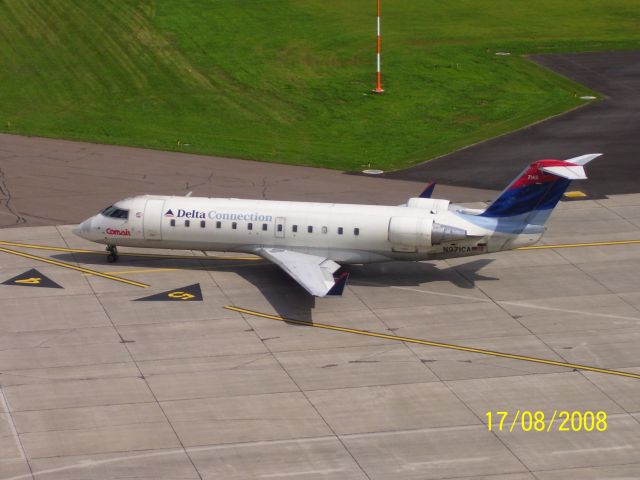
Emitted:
<point x="309" y="241"/>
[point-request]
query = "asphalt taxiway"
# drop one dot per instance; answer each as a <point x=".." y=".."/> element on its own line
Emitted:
<point x="95" y="384"/>
<point x="609" y="126"/>
<point x="56" y="182"/>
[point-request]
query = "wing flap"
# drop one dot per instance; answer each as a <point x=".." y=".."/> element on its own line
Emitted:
<point x="312" y="272"/>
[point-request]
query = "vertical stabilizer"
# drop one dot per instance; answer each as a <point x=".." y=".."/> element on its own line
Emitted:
<point x="534" y="193"/>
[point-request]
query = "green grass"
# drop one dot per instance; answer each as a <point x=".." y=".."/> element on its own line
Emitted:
<point x="289" y="80"/>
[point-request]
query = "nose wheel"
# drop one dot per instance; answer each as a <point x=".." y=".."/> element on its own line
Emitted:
<point x="113" y="254"/>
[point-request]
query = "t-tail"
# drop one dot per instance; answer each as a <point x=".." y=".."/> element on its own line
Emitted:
<point x="531" y="197"/>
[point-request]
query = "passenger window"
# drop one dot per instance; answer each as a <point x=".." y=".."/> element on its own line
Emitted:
<point x="218" y="224"/>
<point x="356" y="231"/>
<point x="310" y="229"/>
<point x="234" y="225"/>
<point x="202" y="223"/>
<point x="264" y="227"/>
<point x="249" y="226"/>
<point x="187" y="223"/>
<point x="294" y="228"/>
<point x="340" y="230"/>
<point x="279" y="227"/>
<point x="172" y="222"/>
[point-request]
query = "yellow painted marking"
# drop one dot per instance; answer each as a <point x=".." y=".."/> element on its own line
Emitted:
<point x="433" y="344"/>
<point x="169" y="269"/>
<point x="46" y="247"/>
<point x="181" y="295"/>
<point x="74" y="267"/>
<point x="130" y="254"/>
<point x="255" y="258"/>
<point x="145" y="270"/>
<point x="576" y="245"/>
<point x="575" y="194"/>
<point x="30" y="281"/>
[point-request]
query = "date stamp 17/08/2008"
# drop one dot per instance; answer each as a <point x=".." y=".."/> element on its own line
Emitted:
<point x="537" y="421"/>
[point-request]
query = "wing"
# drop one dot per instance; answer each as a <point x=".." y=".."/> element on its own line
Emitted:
<point x="428" y="191"/>
<point x="313" y="272"/>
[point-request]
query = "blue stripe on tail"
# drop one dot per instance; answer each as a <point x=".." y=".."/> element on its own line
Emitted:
<point x="528" y="198"/>
<point x="532" y="195"/>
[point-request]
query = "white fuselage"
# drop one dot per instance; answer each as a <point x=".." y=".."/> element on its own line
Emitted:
<point x="345" y="233"/>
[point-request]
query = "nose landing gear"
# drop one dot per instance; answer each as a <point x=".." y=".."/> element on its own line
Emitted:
<point x="113" y="253"/>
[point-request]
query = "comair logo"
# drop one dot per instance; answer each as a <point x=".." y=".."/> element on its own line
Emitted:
<point x="118" y="233"/>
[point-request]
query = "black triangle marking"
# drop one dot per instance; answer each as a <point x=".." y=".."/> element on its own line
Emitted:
<point x="190" y="293"/>
<point x="32" y="278"/>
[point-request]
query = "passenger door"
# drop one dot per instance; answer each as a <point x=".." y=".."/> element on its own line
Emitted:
<point x="152" y="221"/>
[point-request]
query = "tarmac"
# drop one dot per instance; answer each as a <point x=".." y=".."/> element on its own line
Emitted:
<point x="55" y="182"/>
<point x="97" y="385"/>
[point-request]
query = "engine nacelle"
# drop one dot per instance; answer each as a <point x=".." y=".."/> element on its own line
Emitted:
<point x="408" y="234"/>
<point x="434" y="205"/>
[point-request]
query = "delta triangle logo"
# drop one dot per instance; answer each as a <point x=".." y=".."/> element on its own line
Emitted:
<point x="32" y="278"/>
<point x="169" y="214"/>
<point x="190" y="293"/>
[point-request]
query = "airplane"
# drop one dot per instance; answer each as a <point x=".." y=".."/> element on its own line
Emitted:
<point x="310" y="241"/>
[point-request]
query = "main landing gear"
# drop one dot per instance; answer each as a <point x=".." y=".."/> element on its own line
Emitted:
<point x="113" y="253"/>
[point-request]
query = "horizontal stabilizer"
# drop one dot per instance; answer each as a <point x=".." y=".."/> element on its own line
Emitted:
<point x="583" y="159"/>
<point x="538" y="189"/>
<point x="570" y="172"/>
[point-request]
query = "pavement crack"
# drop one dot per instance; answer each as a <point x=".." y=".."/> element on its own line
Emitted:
<point x="264" y="188"/>
<point x="7" y="198"/>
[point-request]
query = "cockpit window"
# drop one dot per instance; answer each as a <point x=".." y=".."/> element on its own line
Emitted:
<point x="115" y="212"/>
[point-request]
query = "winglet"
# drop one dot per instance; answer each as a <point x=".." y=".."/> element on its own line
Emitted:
<point x="338" y="287"/>
<point x="428" y="191"/>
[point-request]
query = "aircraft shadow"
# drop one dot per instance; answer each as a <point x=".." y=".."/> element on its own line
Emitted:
<point x="284" y="295"/>
<point x="417" y="273"/>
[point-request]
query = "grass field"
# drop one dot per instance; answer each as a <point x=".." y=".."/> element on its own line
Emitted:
<point x="288" y="80"/>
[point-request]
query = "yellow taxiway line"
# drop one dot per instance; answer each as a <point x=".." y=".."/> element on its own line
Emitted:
<point x="175" y="269"/>
<point x="256" y="258"/>
<point x="74" y="267"/>
<point x="129" y="254"/>
<point x="432" y="344"/>
<point x="576" y="245"/>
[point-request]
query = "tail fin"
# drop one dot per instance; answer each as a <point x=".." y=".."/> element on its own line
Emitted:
<point x="428" y="191"/>
<point x="538" y="189"/>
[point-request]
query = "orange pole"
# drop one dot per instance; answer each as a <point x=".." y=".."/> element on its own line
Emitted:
<point x="378" y="88"/>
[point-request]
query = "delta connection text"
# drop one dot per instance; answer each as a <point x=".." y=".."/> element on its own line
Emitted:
<point x="215" y="215"/>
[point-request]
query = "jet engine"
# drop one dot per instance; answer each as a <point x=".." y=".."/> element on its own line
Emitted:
<point x="444" y="233"/>
<point x="408" y="234"/>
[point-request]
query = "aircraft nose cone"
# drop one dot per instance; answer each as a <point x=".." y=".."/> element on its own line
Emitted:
<point x="83" y="229"/>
